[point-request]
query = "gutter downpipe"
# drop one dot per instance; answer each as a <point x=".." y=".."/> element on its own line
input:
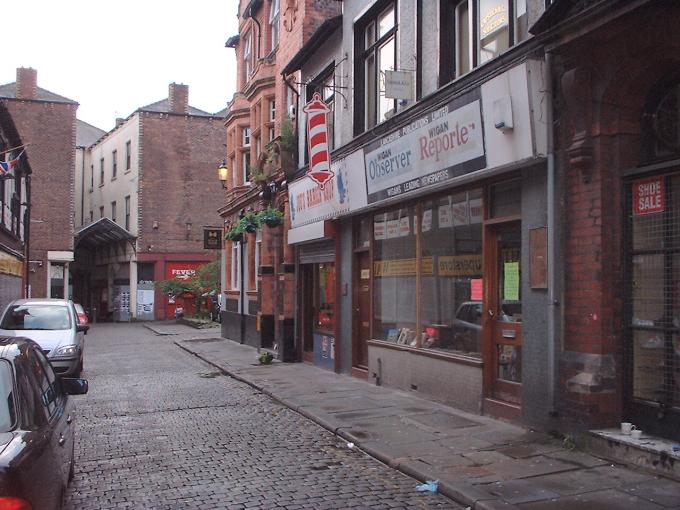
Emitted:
<point x="554" y="303"/>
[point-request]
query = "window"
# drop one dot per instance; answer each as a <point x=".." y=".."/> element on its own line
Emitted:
<point x="127" y="213"/>
<point x="476" y="31"/>
<point x="113" y="211"/>
<point x="91" y="216"/>
<point x="114" y="164"/>
<point x="128" y="155"/>
<point x="8" y="415"/>
<point x="272" y="110"/>
<point x="325" y="86"/>
<point x="248" y="54"/>
<point x="246" y="137"/>
<point x="101" y="211"/>
<point x="258" y="256"/>
<point x="91" y="176"/>
<point x="101" y="172"/>
<point x="235" y="266"/>
<point x="246" y="168"/>
<point x="271" y="134"/>
<point x="274" y="23"/>
<point x="375" y="39"/>
<point x="446" y="273"/>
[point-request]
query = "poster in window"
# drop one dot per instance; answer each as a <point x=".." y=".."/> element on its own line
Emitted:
<point x="649" y="196"/>
<point x="427" y="220"/>
<point x="511" y="281"/>
<point x="445" y="219"/>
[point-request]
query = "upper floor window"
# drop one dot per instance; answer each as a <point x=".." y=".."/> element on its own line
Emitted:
<point x="476" y="31"/>
<point x="101" y="211"/>
<point x="274" y="22"/>
<point x="661" y="120"/>
<point x="128" y="155"/>
<point x="91" y="176"/>
<point x="375" y="40"/>
<point x="246" y="137"/>
<point x="272" y="110"/>
<point x="101" y="171"/>
<point x="248" y="54"/>
<point x="114" y="164"/>
<point x="113" y="211"/>
<point x="127" y="213"/>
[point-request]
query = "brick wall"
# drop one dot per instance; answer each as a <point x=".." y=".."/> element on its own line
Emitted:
<point x="179" y="189"/>
<point x="50" y="129"/>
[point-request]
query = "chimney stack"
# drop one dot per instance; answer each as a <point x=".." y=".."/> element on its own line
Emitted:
<point x="27" y="83"/>
<point x="179" y="98"/>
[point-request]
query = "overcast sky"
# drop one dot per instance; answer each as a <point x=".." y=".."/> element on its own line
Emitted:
<point x="114" y="57"/>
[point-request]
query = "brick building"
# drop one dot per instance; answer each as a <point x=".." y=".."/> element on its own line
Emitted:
<point x="259" y="269"/>
<point x="148" y="190"/>
<point x="46" y="122"/>
<point x="617" y="76"/>
<point x="14" y="197"/>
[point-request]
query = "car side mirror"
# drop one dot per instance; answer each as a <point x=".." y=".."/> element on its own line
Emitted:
<point x="82" y="328"/>
<point x="73" y="386"/>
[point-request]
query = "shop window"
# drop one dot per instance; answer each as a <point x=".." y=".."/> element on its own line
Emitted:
<point x="451" y="243"/>
<point x="654" y="289"/>
<point x="375" y="43"/>
<point x="476" y="31"/>
<point x="235" y="266"/>
<point x="324" y="297"/>
<point x="394" y="271"/>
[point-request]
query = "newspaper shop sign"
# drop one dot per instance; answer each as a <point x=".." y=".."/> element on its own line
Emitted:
<point x="649" y="196"/>
<point x="444" y="144"/>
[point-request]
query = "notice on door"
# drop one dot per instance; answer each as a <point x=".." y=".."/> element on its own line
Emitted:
<point x="649" y="196"/>
<point x="511" y="281"/>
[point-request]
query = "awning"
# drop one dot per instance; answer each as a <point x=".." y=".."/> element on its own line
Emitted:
<point x="102" y="232"/>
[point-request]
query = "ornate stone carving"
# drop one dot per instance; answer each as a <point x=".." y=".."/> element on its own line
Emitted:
<point x="290" y="14"/>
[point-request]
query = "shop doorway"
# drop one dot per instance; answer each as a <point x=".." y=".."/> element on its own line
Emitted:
<point x="318" y="314"/>
<point x="362" y="309"/>
<point x="503" y="334"/>
<point x="652" y="361"/>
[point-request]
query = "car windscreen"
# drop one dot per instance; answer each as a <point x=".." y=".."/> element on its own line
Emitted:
<point x="32" y="317"/>
<point x="7" y="409"/>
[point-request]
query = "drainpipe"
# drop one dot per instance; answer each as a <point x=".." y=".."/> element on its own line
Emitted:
<point x="553" y="305"/>
<point x="249" y="14"/>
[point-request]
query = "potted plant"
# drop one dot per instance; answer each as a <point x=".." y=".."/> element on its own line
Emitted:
<point x="250" y="222"/>
<point x="265" y="358"/>
<point x="270" y="216"/>
<point x="234" y="235"/>
<point x="257" y="175"/>
<point x="287" y="146"/>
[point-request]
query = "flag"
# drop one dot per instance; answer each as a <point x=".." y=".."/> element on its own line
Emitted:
<point x="6" y="166"/>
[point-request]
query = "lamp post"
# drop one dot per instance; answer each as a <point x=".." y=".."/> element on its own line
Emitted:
<point x="223" y="175"/>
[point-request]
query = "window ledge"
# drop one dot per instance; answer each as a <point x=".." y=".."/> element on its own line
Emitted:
<point x="446" y="356"/>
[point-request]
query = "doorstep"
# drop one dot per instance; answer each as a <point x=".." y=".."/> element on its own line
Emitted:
<point x="650" y="453"/>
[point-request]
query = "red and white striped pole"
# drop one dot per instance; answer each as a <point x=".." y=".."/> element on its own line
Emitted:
<point x="317" y="140"/>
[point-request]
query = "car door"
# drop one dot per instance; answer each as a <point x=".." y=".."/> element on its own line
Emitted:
<point x="62" y="412"/>
<point x="38" y="471"/>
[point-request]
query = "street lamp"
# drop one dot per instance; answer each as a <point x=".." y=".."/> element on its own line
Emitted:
<point x="223" y="174"/>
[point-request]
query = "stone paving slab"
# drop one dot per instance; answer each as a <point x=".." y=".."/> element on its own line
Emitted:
<point x="480" y="462"/>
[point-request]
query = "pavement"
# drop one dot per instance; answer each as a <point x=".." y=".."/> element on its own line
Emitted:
<point x="479" y="462"/>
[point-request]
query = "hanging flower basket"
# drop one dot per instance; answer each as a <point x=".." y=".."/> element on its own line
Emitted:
<point x="271" y="217"/>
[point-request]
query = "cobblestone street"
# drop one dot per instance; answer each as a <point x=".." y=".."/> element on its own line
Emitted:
<point x="160" y="429"/>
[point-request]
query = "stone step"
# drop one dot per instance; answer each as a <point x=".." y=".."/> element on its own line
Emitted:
<point x="652" y="454"/>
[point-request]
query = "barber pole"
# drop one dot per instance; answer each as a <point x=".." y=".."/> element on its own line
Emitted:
<point x="317" y="136"/>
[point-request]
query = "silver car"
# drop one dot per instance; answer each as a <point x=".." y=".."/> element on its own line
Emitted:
<point x="54" y="326"/>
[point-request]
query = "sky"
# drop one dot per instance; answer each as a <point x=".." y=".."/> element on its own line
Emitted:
<point x="114" y="57"/>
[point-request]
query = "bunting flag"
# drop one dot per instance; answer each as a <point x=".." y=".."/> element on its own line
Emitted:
<point x="317" y="139"/>
<point x="6" y="166"/>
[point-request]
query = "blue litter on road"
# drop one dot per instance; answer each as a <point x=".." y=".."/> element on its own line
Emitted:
<point x="429" y="486"/>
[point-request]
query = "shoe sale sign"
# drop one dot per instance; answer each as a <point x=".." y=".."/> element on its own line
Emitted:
<point x="649" y="196"/>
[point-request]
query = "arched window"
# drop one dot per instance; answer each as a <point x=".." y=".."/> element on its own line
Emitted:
<point x="661" y="120"/>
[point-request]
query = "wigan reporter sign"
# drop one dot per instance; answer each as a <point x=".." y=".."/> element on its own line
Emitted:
<point x="446" y="143"/>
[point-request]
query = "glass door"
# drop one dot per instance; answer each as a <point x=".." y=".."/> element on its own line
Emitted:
<point x="503" y="355"/>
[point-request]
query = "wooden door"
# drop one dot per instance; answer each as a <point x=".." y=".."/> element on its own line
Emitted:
<point x="361" y="309"/>
<point x="503" y="308"/>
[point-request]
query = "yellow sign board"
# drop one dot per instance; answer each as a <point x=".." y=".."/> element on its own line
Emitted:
<point x="460" y="265"/>
<point x="401" y="267"/>
<point x="10" y="265"/>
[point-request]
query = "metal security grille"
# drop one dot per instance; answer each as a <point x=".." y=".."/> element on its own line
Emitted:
<point x="653" y="283"/>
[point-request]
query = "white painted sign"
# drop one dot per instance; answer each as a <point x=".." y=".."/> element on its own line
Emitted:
<point x="445" y="143"/>
<point x="399" y="84"/>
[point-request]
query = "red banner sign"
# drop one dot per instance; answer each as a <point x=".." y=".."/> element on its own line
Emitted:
<point x="649" y="196"/>
<point x="317" y="140"/>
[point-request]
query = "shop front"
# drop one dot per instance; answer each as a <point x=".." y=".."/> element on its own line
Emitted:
<point x="448" y="279"/>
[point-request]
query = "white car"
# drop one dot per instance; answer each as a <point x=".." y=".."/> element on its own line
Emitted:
<point x="53" y="324"/>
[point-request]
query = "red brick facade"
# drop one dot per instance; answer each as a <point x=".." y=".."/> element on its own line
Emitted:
<point x="47" y="123"/>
